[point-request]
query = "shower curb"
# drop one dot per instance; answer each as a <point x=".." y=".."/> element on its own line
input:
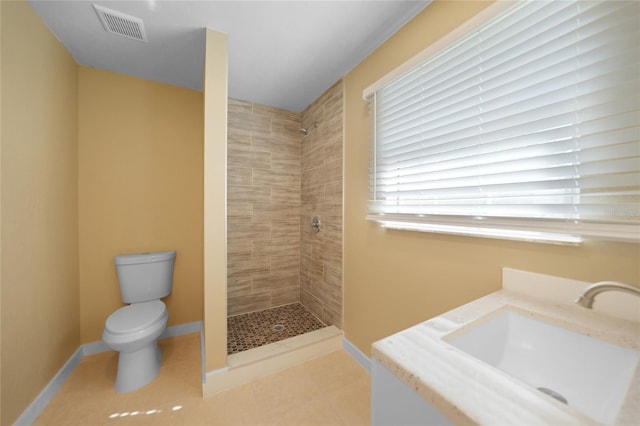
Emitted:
<point x="260" y="362"/>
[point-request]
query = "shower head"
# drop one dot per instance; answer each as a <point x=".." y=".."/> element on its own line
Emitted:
<point x="305" y="130"/>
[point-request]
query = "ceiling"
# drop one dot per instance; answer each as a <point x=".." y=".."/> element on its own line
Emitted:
<point x="281" y="53"/>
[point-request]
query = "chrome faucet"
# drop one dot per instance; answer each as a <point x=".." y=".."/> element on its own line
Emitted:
<point x="589" y="294"/>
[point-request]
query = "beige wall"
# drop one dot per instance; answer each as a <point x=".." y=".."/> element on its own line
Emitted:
<point x="263" y="207"/>
<point x="394" y="279"/>
<point x="321" y="196"/>
<point x="215" y="198"/>
<point x="40" y="306"/>
<point x="141" y="189"/>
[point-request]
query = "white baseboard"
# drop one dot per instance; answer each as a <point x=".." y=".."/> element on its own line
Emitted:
<point x="178" y="330"/>
<point x="357" y="354"/>
<point x="94" y="348"/>
<point x="203" y="359"/>
<point x="34" y="409"/>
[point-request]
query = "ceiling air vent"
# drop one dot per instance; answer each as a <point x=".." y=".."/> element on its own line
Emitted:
<point x="121" y="24"/>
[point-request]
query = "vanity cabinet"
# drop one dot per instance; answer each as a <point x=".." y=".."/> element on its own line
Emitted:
<point x="395" y="403"/>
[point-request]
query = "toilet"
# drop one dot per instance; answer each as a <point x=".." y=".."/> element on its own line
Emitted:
<point x="133" y="330"/>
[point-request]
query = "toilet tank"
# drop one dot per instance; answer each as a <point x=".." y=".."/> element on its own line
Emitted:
<point x="145" y="276"/>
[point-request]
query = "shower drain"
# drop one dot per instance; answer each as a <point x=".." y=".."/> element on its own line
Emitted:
<point x="278" y="328"/>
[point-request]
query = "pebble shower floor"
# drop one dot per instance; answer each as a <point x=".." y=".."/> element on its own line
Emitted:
<point x="248" y="331"/>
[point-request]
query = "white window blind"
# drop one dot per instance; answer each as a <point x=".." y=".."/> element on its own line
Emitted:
<point x="527" y="127"/>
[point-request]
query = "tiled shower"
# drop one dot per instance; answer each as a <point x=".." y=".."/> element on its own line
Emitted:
<point x="278" y="180"/>
<point x="321" y="196"/>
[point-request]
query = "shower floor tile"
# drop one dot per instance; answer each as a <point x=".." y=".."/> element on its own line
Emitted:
<point x="255" y="329"/>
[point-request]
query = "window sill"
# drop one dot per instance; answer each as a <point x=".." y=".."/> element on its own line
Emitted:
<point x="539" y="231"/>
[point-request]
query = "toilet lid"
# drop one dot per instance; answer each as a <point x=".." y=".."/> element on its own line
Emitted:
<point x="135" y="317"/>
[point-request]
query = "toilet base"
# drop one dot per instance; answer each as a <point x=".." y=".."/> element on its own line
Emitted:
<point x="138" y="368"/>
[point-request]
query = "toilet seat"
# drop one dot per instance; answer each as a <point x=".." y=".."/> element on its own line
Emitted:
<point x="135" y="317"/>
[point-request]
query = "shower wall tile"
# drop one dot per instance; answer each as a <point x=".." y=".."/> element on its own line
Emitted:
<point x="333" y="235"/>
<point x="333" y="277"/>
<point x="248" y="267"/>
<point x="333" y="193"/>
<point x="333" y="106"/>
<point x="276" y="143"/>
<point x="249" y="122"/>
<point x="239" y="286"/>
<point x="333" y="170"/>
<point x="286" y="263"/>
<point x="238" y="246"/>
<point x="250" y="303"/>
<point x="239" y="139"/>
<point x="333" y="149"/>
<point x="239" y="106"/>
<point x="240" y="212"/>
<point x="238" y="156"/>
<point x="285" y="296"/>
<point x="250" y="231"/>
<point x="272" y="112"/>
<point x="275" y="280"/>
<point x="273" y="247"/>
<point x="242" y="176"/>
<point x="282" y="229"/>
<point x="285" y="161"/>
<point x="239" y="256"/>
<point x="286" y="128"/>
<point x="246" y="194"/>
<point x="331" y="316"/>
<point x="310" y="155"/>
<point x="321" y="288"/>
<point x="263" y="207"/>
<point x="312" y="303"/>
<point x="285" y="195"/>
<point x="278" y="212"/>
<point x="276" y="177"/>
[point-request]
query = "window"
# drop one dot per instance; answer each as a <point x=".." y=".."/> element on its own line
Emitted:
<point x="526" y="127"/>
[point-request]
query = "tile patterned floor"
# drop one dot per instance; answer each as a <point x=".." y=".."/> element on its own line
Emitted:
<point x="330" y="390"/>
<point x="248" y="331"/>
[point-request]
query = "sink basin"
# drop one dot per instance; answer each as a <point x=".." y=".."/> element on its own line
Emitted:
<point x="588" y="374"/>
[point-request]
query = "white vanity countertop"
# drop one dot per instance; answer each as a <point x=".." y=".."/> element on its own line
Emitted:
<point x="468" y="391"/>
